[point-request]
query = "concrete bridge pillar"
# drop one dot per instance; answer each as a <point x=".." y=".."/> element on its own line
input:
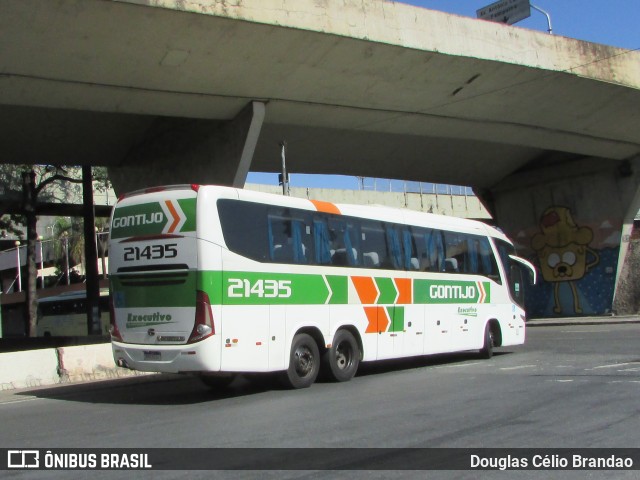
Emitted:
<point x="573" y="221"/>
<point x="181" y="150"/>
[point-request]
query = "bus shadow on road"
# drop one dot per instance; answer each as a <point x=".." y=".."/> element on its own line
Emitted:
<point x="169" y="389"/>
<point x="161" y="389"/>
<point x="401" y="364"/>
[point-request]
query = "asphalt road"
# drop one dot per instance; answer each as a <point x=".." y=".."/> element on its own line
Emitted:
<point x="569" y="386"/>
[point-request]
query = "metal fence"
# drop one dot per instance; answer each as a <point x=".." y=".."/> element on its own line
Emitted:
<point x="54" y="258"/>
<point x="406" y="186"/>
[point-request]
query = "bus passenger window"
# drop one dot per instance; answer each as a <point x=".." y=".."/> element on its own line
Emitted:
<point x="373" y="244"/>
<point x="285" y="240"/>
<point x="321" y="241"/>
<point x="342" y="242"/>
<point x="394" y="249"/>
<point x="457" y="256"/>
<point x="434" y="244"/>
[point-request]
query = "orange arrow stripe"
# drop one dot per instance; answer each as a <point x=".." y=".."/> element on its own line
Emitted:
<point x="174" y="214"/>
<point x="372" y="317"/>
<point x="378" y="319"/>
<point x="405" y="294"/>
<point x="326" y="207"/>
<point x="482" y="293"/>
<point x="366" y="288"/>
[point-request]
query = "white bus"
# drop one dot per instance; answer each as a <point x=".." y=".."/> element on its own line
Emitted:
<point x="65" y="315"/>
<point x="217" y="281"/>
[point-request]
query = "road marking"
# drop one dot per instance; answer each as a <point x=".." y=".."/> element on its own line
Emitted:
<point x="610" y="366"/>
<point x="564" y="381"/>
<point x="22" y="400"/>
<point x="460" y="365"/>
<point x="585" y="331"/>
<point x="518" y="367"/>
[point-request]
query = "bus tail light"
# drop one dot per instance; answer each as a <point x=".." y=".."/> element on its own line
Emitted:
<point x="113" y="327"/>
<point x="204" y="326"/>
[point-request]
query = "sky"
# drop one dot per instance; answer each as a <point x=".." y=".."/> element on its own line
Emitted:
<point x="610" y="22"/>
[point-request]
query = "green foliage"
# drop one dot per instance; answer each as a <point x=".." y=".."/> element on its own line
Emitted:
<point x="55" y="184"/>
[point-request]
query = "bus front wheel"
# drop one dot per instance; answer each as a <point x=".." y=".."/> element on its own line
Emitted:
<point x="342" y="359"/>
<point x="486" y="351"/>
<point x="304" y="362"/>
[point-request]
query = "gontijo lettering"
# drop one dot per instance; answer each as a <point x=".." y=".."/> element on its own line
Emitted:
<point x="140" y="219"/>
<point x="452" y="291"/>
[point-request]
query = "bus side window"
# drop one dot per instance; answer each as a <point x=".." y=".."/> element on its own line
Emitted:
<point x="435" y="255"/>
<point x="488" y="264"/>
<point x="373" y="244"/>
<point x="286" y="240"/>
<point x="457" y="255"/>
<point x="516" y="283"/>
<point x="321" y="242"/>
<point x="411" y="261"/>
<point x="394" y="248"/>
<point x="245" y="228"/>
<point x="342" y="243"/>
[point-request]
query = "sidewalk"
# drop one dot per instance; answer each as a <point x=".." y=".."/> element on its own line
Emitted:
<point x="602" y="320"/>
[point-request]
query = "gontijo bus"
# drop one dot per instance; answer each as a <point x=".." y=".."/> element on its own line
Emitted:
<point x="216" y="281"/>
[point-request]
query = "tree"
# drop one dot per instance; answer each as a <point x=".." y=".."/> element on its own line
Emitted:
<point x="33" y="185"/>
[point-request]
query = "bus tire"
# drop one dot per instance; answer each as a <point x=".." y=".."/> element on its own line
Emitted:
<point x="486" y="351"/>
<point x="341" y="361"/>
<point x="304" y="362"/>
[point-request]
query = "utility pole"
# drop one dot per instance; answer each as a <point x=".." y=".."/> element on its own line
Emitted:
<point x="284" y="177"/>
<point x="91" y="255"/>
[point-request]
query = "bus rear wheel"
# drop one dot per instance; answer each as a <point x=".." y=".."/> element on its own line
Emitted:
<point x="342" y="359"/>
<point x="304" y="362"/>
<point x="486" y="351"/>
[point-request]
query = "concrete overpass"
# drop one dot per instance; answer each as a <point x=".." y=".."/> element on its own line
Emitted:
<point x="166" y="91"/>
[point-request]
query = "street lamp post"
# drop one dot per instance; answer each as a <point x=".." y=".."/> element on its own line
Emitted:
<point x="65" y="240"/>
<point x="41" y="263"/>
<point x="546" y="14"/>
<point x="17" y="243"/>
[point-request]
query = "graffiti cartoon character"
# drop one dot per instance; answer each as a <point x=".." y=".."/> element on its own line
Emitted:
<point x="562" y="249"/>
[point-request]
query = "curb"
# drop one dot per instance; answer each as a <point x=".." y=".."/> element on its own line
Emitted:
<point x="558" y="322"/>
<point x="54" y="366"/>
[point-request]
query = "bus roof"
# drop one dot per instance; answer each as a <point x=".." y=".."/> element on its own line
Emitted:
<point x="71" y="295"/>
<point x="373" y="212"/>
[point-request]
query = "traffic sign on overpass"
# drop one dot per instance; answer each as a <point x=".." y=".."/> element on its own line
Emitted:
<point x="505" y="11"/>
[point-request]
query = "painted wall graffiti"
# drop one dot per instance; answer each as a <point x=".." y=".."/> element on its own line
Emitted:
<point x="563" y="253"/>
<point x="577" y="264"/>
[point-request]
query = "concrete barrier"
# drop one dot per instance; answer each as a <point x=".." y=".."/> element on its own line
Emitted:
<point x="28" y="369"/>
<point x="52" y="366"/>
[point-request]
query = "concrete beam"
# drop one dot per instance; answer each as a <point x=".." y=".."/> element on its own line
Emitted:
<point x="177" y="150"/>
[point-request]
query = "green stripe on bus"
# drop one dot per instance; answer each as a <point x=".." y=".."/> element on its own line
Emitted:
<point x="257" y="288"/>
<point x="388" y="292"/>
<point x="396" y="315"/>
<point x="339" y="285"/>
<point x="451" y="291"/>
<point x="188" y="206"/>
<point x="143" y="291"/>
<point x="150" y="219"/>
